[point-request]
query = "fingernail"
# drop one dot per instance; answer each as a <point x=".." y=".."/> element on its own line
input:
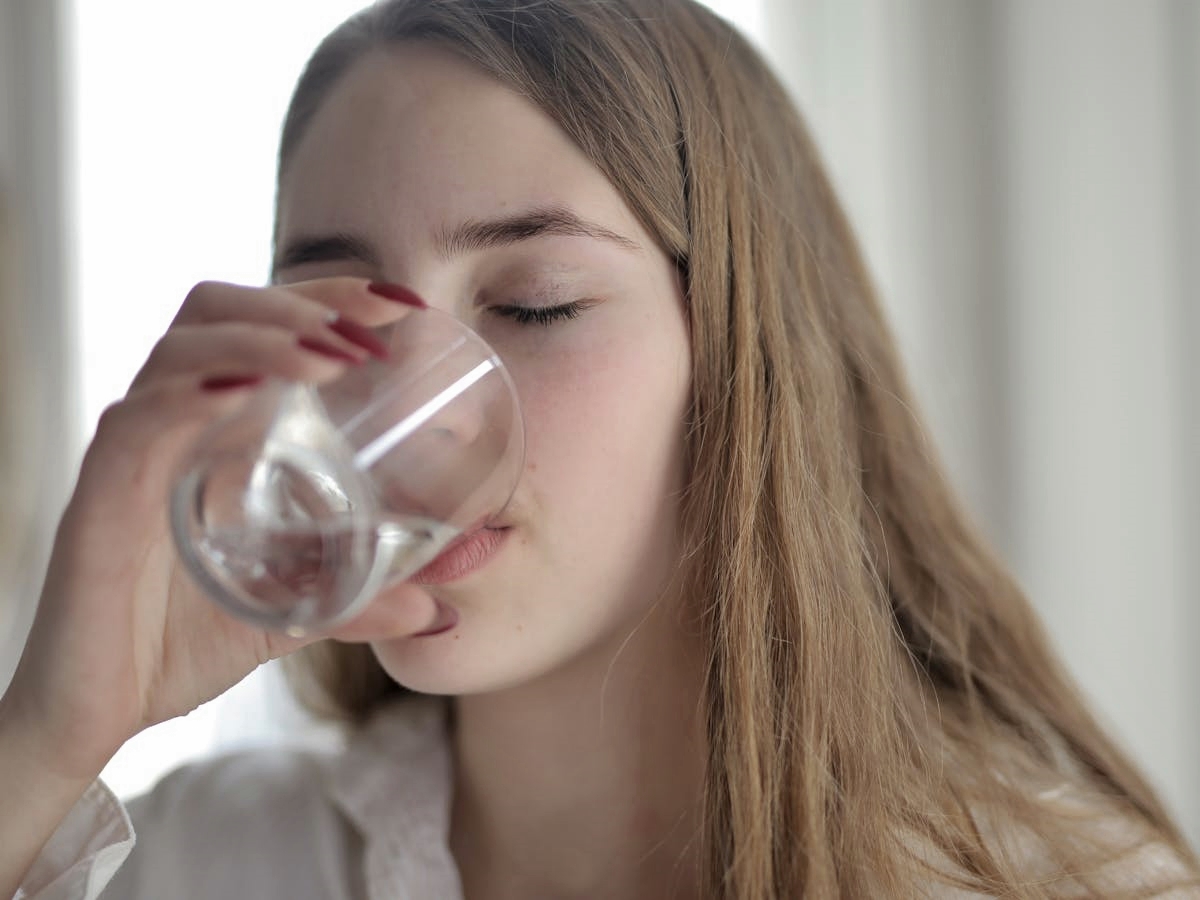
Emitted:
<point x="229" y="382"/>
<point x="360" y="335"/>
<point x="397" y="293"/>
<point x="317" y="346"/>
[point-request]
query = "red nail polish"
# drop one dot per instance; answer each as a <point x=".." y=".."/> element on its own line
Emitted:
<point x="317" y="346"/>
<point x="397" y="293"/>
<point x="360" y="335"/>
<point x="229" y="382"/>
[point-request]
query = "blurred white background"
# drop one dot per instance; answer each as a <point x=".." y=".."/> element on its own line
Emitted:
<point x="1025" y="177"/>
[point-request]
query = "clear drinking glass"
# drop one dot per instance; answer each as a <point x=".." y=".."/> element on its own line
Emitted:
<point x="294" y="512"/>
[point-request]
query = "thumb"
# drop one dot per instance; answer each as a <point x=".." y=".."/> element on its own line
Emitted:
<point x="399" y="611"/>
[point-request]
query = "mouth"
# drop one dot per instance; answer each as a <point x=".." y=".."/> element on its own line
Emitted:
<point x="467" y="553"/>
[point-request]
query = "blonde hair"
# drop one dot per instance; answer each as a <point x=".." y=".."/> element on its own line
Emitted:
<point x="884" y="710"/>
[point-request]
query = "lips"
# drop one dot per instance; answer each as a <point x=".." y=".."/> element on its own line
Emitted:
<point x="462" y="556"/>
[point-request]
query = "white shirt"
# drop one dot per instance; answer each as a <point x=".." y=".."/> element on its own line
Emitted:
<point x="370" y="822"/>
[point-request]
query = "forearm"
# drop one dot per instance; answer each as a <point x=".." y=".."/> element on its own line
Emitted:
<point x="34" y="799"/>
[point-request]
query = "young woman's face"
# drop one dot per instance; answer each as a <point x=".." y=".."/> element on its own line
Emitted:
<point x="408" y="149"/>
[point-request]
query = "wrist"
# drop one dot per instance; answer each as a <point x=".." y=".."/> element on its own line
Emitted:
<point x="37" y="794"/>
<point x="27" y="753"/>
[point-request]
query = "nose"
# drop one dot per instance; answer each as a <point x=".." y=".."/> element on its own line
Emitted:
<point x="438" y="438"/>
<point x="451" y="458"/>
<point x="440" y="430"/>
<point x="435" y="404"/>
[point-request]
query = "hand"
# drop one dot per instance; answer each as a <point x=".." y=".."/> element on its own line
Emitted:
<point x="123" y="639"/>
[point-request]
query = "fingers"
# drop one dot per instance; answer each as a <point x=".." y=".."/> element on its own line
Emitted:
<point x="143" y="435"/>
<point x="139" y="445"/>
<point x="228" y="346"/>
<point x="400" y="611"/>
<point x="299" y="331"/>
<point x="241" y="348"/>
<point x="300" y="306"/>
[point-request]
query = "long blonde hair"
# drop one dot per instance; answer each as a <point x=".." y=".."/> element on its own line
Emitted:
<point x="884" y="710"/>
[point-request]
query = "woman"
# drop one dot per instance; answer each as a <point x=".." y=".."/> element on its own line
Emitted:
<point x="734" y="637"/>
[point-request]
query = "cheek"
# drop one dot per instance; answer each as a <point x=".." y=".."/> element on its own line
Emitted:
<point x="604" y="427"/>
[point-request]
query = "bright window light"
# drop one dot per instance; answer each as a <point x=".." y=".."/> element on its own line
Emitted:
<point x="748" y="16"/>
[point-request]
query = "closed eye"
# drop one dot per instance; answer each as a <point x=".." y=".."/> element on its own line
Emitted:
<point x="542" y="315"/>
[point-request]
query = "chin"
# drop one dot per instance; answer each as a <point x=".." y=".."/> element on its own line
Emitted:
<point x="451" y="664"/>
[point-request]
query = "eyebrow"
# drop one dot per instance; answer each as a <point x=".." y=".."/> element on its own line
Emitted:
<point x="471" y="235"/>
<point x="336" y="247"/>
<point x="476" y="234"/>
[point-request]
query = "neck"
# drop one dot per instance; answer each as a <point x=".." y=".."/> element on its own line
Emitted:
<point x="587" y="782"/>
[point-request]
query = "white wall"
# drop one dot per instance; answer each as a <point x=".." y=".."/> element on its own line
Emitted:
<point x="34" y="134"/>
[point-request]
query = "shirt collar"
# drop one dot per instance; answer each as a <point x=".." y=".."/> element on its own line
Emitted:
<point x="394" y="782"/>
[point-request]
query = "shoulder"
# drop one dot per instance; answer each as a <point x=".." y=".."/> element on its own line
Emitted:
<point x="1119" y="852"/>
<point x="250" y="823"/>
<point x="1136" y="860"/>
<point x="272" y="822"/>
<point x="284" y="793"/>
<point x="272" y="800"/>
<point x="235" y="788"/>
<point x="1054" y="832"/>
<point x="256" y="787"/>
<point x="1087" y="843"/>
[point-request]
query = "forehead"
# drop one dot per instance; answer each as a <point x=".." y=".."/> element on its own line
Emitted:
<point x="417" y="136"/>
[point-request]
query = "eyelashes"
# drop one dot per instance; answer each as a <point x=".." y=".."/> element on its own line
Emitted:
<point x="542" y="315"/>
